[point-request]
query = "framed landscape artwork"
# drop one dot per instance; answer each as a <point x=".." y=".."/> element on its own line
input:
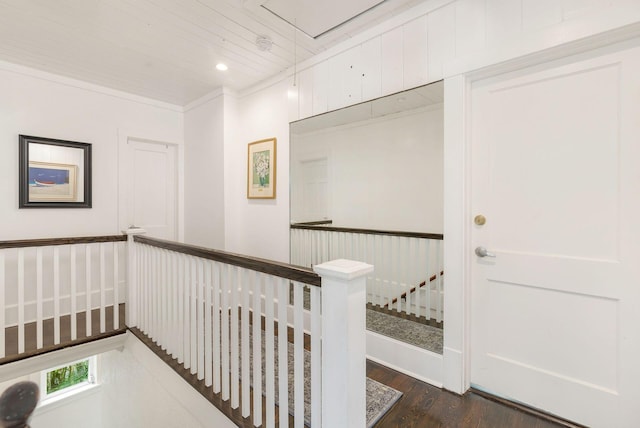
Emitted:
<point x="261" y="171"/>
<point x="54" y="173"/>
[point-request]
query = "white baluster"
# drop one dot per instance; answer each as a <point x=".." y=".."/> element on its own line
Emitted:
<point x="379" y="271"/>
<point x="225" y="284"/>
<point x="406" y="272"/>
<point x="200" y="311"/>
<point x="208" y="358"/>
<point x="426" y="244"/>
<point x="298" y="352"/>
<point x="116" y="286"/>
<point x="257" y="349"/>
<point x="215" y="277"/>
<point x="316" y="357"/>
<point x="246" y="374"/>
<point x="88" y="289"/>
<point x="438" y="281"/>
<point x="283" y="370"/>
<point x="103" y="322"/>
<point x="292" y="246"/>
<point x="157" y="301"/>
<point x="386" y="267"/>
<point x="269" y="345"/>
<point x="140" y="281"/>
<point x="172" y="303"/>
<point x="145" y="301"/>
<point x="183" y="355"/>
<point x="415" y="280"/>
<point x="233" y="320"/>
<point x="175" y="300"/>
<point x="56" y="295"/>
<point x="308" y="247"/>
<point x="163" y="271"/>
<point x="20" y="301"/>
<point x="151" y="294"/>
<point x="73" y="276"/>
<point x="39" y="299"/>
<point x="325" y="246"/>
<point x="373" y="255"/>
<point x="193" y="279"/>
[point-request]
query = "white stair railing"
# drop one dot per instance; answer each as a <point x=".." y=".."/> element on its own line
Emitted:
<point x="59" y="281"/>
<point x="206" y="308"/>
<point x="409" y="266"/>
<point x="227" y="318"/>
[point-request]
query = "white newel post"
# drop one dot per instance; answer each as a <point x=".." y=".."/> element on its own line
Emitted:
<point x="344" y="301"/>
<point x="131" y="304"/>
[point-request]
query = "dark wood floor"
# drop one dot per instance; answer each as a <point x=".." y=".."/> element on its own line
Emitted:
<point x="423" y="405"/>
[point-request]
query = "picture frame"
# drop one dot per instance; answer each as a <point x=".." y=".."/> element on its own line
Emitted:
<point x="261" y="169"/>
<point x="54" y="173"/>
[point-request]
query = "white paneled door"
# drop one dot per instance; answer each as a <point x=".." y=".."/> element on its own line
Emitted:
<point x="315" y="189"/>
<point x="151" y="186"/>
<point x="555" y="312"/>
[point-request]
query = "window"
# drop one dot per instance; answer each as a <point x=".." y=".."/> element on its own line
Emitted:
<point x="68" y="379"/>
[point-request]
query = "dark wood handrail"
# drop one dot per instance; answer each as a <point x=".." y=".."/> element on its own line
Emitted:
<point x="282" y="270"/>
<point x="307" y="226"/>
<point x="61" y="241"/>
<point x="314" y="223"/>
<point x="422" y="284"/>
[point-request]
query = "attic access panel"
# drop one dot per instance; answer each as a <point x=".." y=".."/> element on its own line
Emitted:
<point x="316" y="18"/>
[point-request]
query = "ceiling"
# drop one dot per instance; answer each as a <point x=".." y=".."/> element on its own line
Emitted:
<point x="168" y="49"/>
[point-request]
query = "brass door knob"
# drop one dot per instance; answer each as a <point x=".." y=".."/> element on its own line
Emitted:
<point x="480" y="220"/>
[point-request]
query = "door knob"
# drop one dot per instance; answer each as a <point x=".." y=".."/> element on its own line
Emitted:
<point x="482" y="252"/>
<point x="480" y="220"/>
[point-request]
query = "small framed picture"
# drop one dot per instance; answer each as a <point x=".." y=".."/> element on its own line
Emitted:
<point x="54" y="173"/>
<point x="261" y="180"/>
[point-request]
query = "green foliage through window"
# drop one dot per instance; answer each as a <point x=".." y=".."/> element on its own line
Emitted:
<point x="67" y="376"/>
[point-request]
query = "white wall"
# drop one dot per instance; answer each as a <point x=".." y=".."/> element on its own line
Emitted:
<point x="139" y="390"/>
<point x="45" y="105"/>
<point x="258" y="227"/>
<point x="84" y="411"/>
<point x="204" y="175"/>
<point x="384" y="173"/>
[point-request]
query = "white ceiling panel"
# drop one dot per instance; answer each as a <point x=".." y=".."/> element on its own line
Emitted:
<point x="167" y="49"/>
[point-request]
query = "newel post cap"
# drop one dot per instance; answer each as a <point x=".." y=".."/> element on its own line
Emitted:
<point x="343" y="269"/>
<point x="134" y="230"/>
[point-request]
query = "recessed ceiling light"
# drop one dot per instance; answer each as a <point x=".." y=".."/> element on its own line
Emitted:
<point x="222" y="67"/>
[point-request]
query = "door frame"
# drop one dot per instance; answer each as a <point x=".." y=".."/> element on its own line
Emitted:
<point x="124" y="136"/>
<point x="457" y="188"/>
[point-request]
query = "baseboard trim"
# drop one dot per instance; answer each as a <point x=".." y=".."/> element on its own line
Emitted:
<point x="527" y="409"/>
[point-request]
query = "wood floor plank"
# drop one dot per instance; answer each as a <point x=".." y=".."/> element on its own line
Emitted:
<point x="423" y="405"/>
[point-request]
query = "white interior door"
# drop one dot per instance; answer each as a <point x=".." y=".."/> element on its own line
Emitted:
<point x="151" y="186"/>
<point x="555" y="170"/>
<point x="315" y="189"/>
